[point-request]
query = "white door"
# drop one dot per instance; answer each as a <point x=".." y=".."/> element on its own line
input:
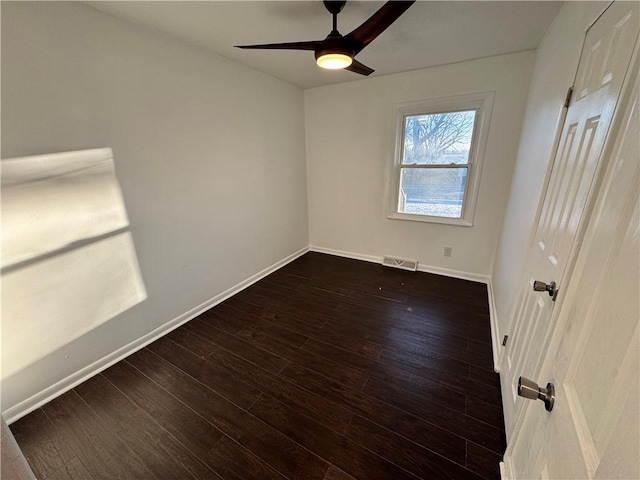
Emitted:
<point x="593" y="430"/>
<point x="603" y="65"/>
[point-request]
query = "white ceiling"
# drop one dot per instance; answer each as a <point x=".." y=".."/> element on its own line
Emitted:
<point x="430" y="33"/>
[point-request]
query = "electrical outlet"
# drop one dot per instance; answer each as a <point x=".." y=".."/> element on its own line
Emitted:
<point x="447" y="251"/>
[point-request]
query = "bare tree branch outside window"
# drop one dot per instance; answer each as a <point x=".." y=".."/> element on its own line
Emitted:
<point x="438" y="138"/>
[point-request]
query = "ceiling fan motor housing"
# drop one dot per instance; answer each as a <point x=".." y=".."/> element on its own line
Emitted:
<point x="335" y="47"/>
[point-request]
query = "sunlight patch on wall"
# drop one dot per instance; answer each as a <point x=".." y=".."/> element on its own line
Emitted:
<point x="68" y="258"/>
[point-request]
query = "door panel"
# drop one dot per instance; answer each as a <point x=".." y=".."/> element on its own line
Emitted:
<point x="604" y="63"/>
<point x="602" y="367"/>
<point x="594" y="354"/>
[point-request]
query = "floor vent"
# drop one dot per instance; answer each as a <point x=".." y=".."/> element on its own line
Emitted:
<point x="401" y="263"/>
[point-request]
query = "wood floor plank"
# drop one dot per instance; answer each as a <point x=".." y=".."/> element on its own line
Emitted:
<point x="336" y="285"/>
<point x="479" y="348"/>
<point x="485" y="375"/>
<point x="41" y="444"/>
<point x="162" y="454"/>
<point x="393" y="338"/>
<point x="328" y="369"/>
<point x="426" y="305"/>
<point x="455" y="422"/>
<point x="217" y="338"/>
<point x="284" y="312"/>
<point x="336" y="474"/>
<point x="190" y="342"/>
<point x="407" y="330"/>
<point x="106" y="402"/>
<point x="482" y="461"/>
<point x="284" y="307"/>
<point x="72" y="470"/>
<point x="390" y="370"/>
<point x="442" y="323"/>
<point x="441" y="299"/>
<point x="333" y="370"/>
<point x="288" y="392"/>
<point x="271" y="446"/>
<point x="336" y="448"/>
<point x="422" y="396"/>
<point x="285" y="280"/>
<point x="305" y="323"/>
<point x="257" y="322"/>
<point x="232" y="388"/>
<point x="184" y="424"/>
<point x="96" y="447"/>
<point x="486" y="412"/>
<point x="419" y="461"/>
<point x="427" y="359"/>
<point x="448" y="419"/>
<point x="429" y="435"/>
<point x="259" y="318"/>
<point x="481" y="360"/>
<point x="228" y="323"/>
<point x="293" y="300"/>
<point x="233" y="460"/>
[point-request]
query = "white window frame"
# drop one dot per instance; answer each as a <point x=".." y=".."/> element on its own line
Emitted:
<point x="482" y="103"/>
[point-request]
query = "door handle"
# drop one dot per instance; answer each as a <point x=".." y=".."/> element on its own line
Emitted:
<point x="539" y="286"/>
<point x="530" y="389"/>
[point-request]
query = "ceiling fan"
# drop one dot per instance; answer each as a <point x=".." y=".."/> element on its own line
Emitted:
<point x="337" y="51"/>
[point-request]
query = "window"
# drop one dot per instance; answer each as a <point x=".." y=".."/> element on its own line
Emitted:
<point x="438" y="160"/>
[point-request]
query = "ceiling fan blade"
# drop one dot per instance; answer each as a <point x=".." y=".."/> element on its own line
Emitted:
<point x="312" y="45"/>
<point x="377" y="23"/>
<point x="358" y="67"/>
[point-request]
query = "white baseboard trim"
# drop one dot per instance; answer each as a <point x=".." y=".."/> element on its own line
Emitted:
<point x="506" y="471"/>
<point x="35" y="401"/>
<point x="475" y="277"/>
<point x="342" y="253"/>
<point x="493" y="320"/>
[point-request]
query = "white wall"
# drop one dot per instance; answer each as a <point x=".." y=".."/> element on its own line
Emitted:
<point x="350" y="142"/>
<point x="555" y="68"/>
<point x="210" y="156"/>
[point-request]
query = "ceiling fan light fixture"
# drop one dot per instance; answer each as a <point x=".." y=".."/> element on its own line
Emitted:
<point x="336" y="52"/>
<point x="334" y="61"/>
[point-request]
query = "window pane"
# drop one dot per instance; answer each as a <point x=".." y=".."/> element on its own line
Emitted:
<point x="432" y="191"/>
<point x="438" y="138"/>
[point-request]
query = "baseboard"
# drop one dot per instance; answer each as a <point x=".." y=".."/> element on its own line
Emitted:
<point x="35" y="401"/>
<point x="342" y="253"/>
<point x="447" y="272"/>
<point x="506" y="472"/>
<point x="493" y="321"/>
<point x="474" y="277"/>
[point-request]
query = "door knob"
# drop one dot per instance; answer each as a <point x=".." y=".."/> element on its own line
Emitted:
<point x="529" y="389"/>
<point x="539" y="286"/>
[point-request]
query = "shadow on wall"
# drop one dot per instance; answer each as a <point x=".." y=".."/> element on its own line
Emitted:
<point x="68" y="258"/>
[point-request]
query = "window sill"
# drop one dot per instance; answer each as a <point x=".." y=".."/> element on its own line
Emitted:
<point x="461" y="222"/>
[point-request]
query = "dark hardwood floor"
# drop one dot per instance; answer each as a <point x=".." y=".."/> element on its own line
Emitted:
<point x="329" y="369"/>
